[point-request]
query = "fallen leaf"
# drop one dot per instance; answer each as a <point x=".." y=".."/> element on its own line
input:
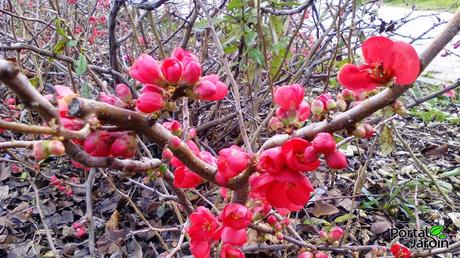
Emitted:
<point x="112" y="223"/>
<point x="380" y="226"/>
<point x="435" y="151"/>
<point x="324" y="209"/>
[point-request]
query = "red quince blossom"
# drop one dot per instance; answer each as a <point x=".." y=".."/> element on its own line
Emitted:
<point x="146" y="70"/>
<point x="336" y="160"/>
<point x="288" y="189"/>
<point x="192" y="73"/>
<point x="149" y="102"/>
<point x="336" y="233"/>
<point x="234" y="237"/>
<point x="124" y="93"/>
<point x="232" y="161"/>
<point x="203" y="229"/>
<point x="271" y="160"/>
<point x="400" y="251"/>
<point x="229" y="251"/>
<point x="236" y="216"/>
<point x="303" y="112"/>
<point x="184" y="56"/>
<point x="288" y="97"/>
<point x="385" y="60"/>
<point x="172" y="69"/>
<point x="210" y="88"/>
<point x="125" y="146"/>
<point x="294" y="151"/>
<point x="185" y="178"/>
<point x="324" y="143"/>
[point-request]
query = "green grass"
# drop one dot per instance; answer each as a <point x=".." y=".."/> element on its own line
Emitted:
<point x="427" y="4"/>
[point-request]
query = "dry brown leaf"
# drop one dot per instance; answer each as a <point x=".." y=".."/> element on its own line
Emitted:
<point x="324" y="209"/>
<point x="112" y="223"/>
<point x="435" y="151"/>
<point x="380" y="226"/>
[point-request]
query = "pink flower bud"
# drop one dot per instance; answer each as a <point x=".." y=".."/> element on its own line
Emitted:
<point x="323" y="235"/>
<point x="192" y="73"/>
<point x="331" y="104"/>
<point x="321" y="255"/>
<point x="336" y="160"/>
<point x="324" y="143"/>
<point x="303" y="112"/>
<point x="288" y="97"/>
<point x="208" y="90"/>
<point x="10" y="101"/>
<point x="146" y="70"/>
<point x="279" y="235"/>
<point x="15" y="168"/>
<point x="76" y="225"/>
<point x="175" y="142"/>
<point x="360" y="131"/>
<point x="174" y="127"/>
<point x="167" y="154"/>
<point x="369" y="131"/>
<point x="348" y="95"/>
<point x="342" y="105"/>
<point x="310" y="155"/>
<point x="80" y="232"/>
<point x="69" y="192"/>
<point x="317" y="107"/>
<point x="124" y="147"/>
<point x="272" y="220"/>
<point x="275" y="124"/>
<point x="336" y="233"/>
<point x="172" y="69"/>
<point x="124" y="93"/>
<point x="191" y="134"/>
<point x="61" y="188"/>
<point x="110" y="99"/>
<point x="305" y="255"/>
<point x="150" y="102"/>
<point x="56" y="148"/>
<point x="39" y="151"/>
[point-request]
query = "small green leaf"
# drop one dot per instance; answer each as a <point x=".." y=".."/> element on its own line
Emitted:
<point x="85" y="92"/>
<point x="442" y="236"/>
<point x="316" y="222"/>
<point x="34" y="81"/>
<point x="163" y="168"/>
<point x="59" y="47"/>
<point x="72" y="43"/>
<point x="81" y="64"/>
<point x="59" y="28"/>
<point x="436" y="230"/>
<point x="255" y="54"/>
<point x="250" y="38"/>
<point x="204" y="24"/>
<point x="455" y="172"/>
<point x="234" y="4"/>
<point x="344" y="218"/>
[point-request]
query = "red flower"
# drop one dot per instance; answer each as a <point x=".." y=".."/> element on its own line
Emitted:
<point x="400" y="251"/>
<point x="271" y="161"/>
<point x="203" y="225"/>
<point x="203" y="229"/>
<point x="385" y="59"/>
<point x="149" y="102"/>
<point x="184" y="56"/>
<point x="234" y="237"/>
<point x="125" y="147"/>
<point x="72" y="124"/>
<point x="289" y="189"/>
<point x="304" y="111"/>
<point x="210" y="88"/>
<point x="324" y="143"/>
<point x="336" y="233"/>
<point x="192" y="73"/>
<point x="185" y="178"/>
<point x="232" y="161"/>
<point x="172" y="69"/>
<point x="152" y="88"/>
<point x="336" y="160"/>
<point x="229" y="251"/>
<point x="146" y="70"/>
<point x="288" y="97"/>
<point x="236" y="216"/>
<point x="98" y="144"/>
<point x="294" y="151"/>
<point x="174" y="127"/>
<point x="305" y="255"/>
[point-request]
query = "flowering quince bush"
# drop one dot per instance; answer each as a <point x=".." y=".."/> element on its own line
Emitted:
<point x="183" y="165"/>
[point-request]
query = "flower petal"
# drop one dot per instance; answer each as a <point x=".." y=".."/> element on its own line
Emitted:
<point x="406" y="63"/>
<point x="376" y="50"/>
<point x="356" y="78"/>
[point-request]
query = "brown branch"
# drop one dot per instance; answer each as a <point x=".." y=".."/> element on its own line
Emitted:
<point x="17" y="144"/>
<point x="105" y="162"/>
<point x="113" y="45"/>
<point x="36" y="129"/>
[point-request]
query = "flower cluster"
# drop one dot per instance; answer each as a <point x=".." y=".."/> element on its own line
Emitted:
<point x="400" y="251"/>
<point x="332" y="236"/>
<point x="292" y="108"/>
<point x="183" y="176"/>
<point x="230" y="163"/>
<point x="44" y="149"/>
<point x="181" y="70"/>
<point x="204" y="229"/>
<point x="281" y="182"/>
<point x="386" y="60"/>
<point x="61" y="186"/>
<point x="110" y="144"/>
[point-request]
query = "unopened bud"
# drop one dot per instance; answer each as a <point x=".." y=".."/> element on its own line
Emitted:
<point x="342" y="105"/>
<point x="317" y="107"/>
